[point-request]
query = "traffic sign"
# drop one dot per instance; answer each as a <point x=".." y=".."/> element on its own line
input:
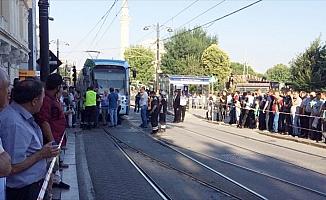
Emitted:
<point x="54" y="62"/>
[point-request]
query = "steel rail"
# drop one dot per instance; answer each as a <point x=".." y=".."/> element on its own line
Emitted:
<point x="152" y="183"/>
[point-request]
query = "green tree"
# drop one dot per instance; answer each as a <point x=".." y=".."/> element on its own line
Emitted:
<point x="184" y="50"/>
<point x="142" y="59"/>
<point x="279" y="72"/>
<point x="216" y="62"/>
<point x="237" y="69"/>
<point x="308" y="69"/>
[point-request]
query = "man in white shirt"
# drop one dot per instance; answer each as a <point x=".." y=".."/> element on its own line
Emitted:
<point x="5" y="162"/>
<point x="143" y="107"/>
<point x="183" y="105"/>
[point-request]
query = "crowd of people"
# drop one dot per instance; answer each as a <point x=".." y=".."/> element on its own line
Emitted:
<point x="95" y="107"/>
<point x="153" y="108"/>
<point x="33" y="119"/>
<point x="289" y="112"/>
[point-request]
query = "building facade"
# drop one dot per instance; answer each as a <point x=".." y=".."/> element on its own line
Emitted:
<point x="14" y="51"/>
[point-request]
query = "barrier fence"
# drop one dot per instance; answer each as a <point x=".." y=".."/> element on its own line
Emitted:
<point x="48" y="174"/>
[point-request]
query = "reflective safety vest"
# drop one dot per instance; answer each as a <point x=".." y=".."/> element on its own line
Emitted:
<point x="90" y="98"/>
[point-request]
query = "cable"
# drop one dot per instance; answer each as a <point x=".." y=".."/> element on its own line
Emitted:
<point x="215" y="20"/>
<point x="219" y="3"/>
<point x="107" y="14"/>
<point x="186" y="8"/>
<point x="110" y="24"/>
<point x="92" y="29"/>
<point x="181" y="11"/>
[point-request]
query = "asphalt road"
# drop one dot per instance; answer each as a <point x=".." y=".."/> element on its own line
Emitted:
<point x="271" y="167"/>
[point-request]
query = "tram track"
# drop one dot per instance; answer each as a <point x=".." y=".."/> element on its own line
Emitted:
<point x="248" y="169"/>
<point x="247" y="149"/>
<point x="265" y="142"/>
<point x="146" y="176"/>
<point x="209" y="184"/>
<point x="294" y="184"/>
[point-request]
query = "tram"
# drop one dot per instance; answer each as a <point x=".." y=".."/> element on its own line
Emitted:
<point x="105" y="74"/>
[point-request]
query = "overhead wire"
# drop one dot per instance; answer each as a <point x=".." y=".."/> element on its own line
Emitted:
<point x="176" y="15"/>
<point x="109" y="26"/>
<point x="107" y="14"/>
<point x="209" y="9"/>
<point x="92" y="29"/>
<point x="210" y="23"/>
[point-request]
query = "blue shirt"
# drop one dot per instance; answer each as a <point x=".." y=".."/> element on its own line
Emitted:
<point x="113" y="100"/>
<point x="21" y="137"/>
<point x="104" y="101"/>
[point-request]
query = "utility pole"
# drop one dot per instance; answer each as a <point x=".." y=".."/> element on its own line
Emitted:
<point x="157" y="68"/>
<point x="44" y="38"/>
<point x="58" y="71"/>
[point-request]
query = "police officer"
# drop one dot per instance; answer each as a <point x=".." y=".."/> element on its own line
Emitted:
<point x="90" y="107"/>
<point x="154" y="112"/>
<point x="163" y="108"/>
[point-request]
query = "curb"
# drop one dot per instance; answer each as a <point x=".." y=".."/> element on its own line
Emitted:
<point x="307" y="142"/>
<point x="86" y="189"/>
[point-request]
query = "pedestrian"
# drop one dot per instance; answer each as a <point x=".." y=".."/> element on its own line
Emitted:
<point x="90" y="107"/>
<point x="316" y="134"/>
<point x="296" y="102"/>
<point x="52" y="122"/>
<point x="269" y="116"/>
<point x="5" y="161"/>
<point x="163" y="110"/>
<point x="119" y="106"/>
<point x="137" y="105"/>
<point x="183" y="105"/>
<point x="176" y="106"/>
<point x="143" y="103"/>
<point x="154" y="112"/>
<point x="98" y="107"/>
<point x="276" y="107"/>
<point x="306" y="112"/>
<point x="104" y="107"/>
<point x="23" y="140"/>
<point x="113" y="107"/>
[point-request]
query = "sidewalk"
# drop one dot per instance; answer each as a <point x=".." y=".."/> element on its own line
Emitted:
<point x="201" y="114"/>
<point x="69" y="175"/>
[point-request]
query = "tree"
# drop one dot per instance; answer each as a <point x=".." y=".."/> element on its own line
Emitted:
<point x="216" y="62"/>
<point x="142" y="59"/>
<point x="308" y="69"/>
<point x="280" y="73"/>
<point x="184" y="50"/>
<point x="238" y="68"/>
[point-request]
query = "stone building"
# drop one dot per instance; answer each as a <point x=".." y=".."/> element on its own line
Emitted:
<point x="14" y="51"/>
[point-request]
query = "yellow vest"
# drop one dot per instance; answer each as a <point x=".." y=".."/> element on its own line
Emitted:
<point x="90" y="98"/>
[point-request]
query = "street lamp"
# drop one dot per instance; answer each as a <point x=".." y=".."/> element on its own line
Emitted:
<point x="157" y="66"/>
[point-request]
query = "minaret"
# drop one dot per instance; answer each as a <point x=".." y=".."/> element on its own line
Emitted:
<point x="124" y="25"/>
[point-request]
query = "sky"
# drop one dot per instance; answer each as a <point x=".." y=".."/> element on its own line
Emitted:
<point x="266" y="34"/>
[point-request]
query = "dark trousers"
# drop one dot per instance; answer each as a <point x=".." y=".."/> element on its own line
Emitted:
<point x="316" y="133"/>
<point x="118" y="114"/>
<point x="262" y="120"/>
<point x="183" y="112"/>
<point x="304" y="123"/>
<point x="137" y="106"/>
<point x="162" y="118"/>
<point x="154" y="122"/>
<point x="28" y="192"/>
<point x="288" y="122"/>
<point x="176" y="114"/>
<point x="90" y="115"/>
